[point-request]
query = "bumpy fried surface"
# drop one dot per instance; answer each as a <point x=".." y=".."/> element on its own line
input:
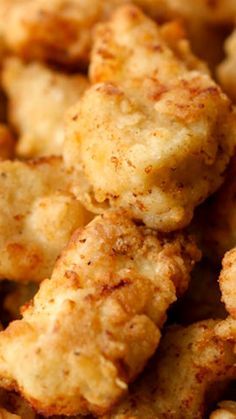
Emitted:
<point x="228" y="282"/>
<point x="227" y="69"/>
<point x="226" y="410"/>
<point x="38" y="100"/>
<point x="38" y="214"/>
<point x="189" y="360"/>
<point x="162" y="130"/>
<point x="56" y="30"/>
<point x="92" y="327"/>
<point x="7" y="143"/>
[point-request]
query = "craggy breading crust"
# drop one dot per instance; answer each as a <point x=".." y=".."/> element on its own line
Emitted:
<point x="7" y="143"/>
<point x="228" y="282"/>
<point x="227" y="69"/>
<point x="38" y="214"/>
<point x="154" y="133"/>
<point x="189" y="361"/>
<point x="226" y="410"/>
<point x="93" y="326"/>
<point x="38" y="100"/>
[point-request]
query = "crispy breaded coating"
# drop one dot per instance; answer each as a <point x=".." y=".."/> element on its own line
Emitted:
<point x="227" y="69"/>
<point x="38" y="100"/>
<point x="154" y="133"/>
<point x="92" y="327"/>
<point x="56" y="31"/>
<point x="7" y="143"/>
<point x="38" y="214"/>
<point x="226" y="410"/>
<point x="228" y="282"/>
<point x="189" y="361"/>
<point x="4" y="414"/>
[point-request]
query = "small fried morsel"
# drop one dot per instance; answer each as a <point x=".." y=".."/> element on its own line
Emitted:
<point x="38" y="214"/>
<point x="7" y="143"/>
<point x="92" y="327"/>
<point x="227" y="69"/>
<point x="228" y="282"/>
<point x="155" y="133"/>
<point x="38" y="100"/>
<point x="226" y="410"/>
<point x="56" y="31"/>
<point x="188" y="362"/>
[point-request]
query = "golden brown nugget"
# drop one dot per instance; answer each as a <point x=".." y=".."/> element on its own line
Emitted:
<point x="154" y="133"/>
<point x="226" y="410"/>
<point x="228" y="282"/>
<point x="92" y="327"/>
<point x="227" y="69"/>
<point x="38" y="100"/>
<point x="56" y="31"/>
<point x="189" y="361"/>
<point x="7" y="143"/>
<point x="38" y="214"/>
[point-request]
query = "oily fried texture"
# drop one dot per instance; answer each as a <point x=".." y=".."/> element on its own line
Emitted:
<point x="56" y="31"/>
<point x="188" y="362"/>
<point x="38" y="100"/>
<point x="155" y="133"/>
<point x="7" y="143"/>
<point x="227" y="69"/>
<point x="38" y="214"/>
<point x="228" y="282"/>
<point x="93" y="326"/>
<point x="226" y="410"/>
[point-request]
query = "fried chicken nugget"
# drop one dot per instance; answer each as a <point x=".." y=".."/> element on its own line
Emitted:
<point x="227" y="69"/>
<point x="92" y="327"/>
<point x="38" y="214"/>
<point x="155" y="134"/>
<point x="189" y="361"/>
<point x="227" y="410"/>
<point x="7" y="143"/>
<point x="38" y="99"/>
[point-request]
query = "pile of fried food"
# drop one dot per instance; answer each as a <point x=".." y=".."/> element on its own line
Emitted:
<point x="118" y="209"/>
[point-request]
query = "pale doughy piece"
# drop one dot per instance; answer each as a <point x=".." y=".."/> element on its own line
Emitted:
<point x="188" y="362"/>
<point x="154" y="133"/>
<point x="38" y="100"/>
<point x="227" y="69"/>
<point x="38" y="214"/>
<point x="92" y="327"/>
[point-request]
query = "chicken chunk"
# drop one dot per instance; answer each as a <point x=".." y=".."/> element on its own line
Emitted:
<point x="228" y="282"/>
<point x="162" y="129"/>
<point x="92" y="327"/>
<point x="7" y="143"/>
<point x="189" y="361"/>
<point x="38" y="214"/>
<point x="227" y="69"/>
<point x="38" y="100"/>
